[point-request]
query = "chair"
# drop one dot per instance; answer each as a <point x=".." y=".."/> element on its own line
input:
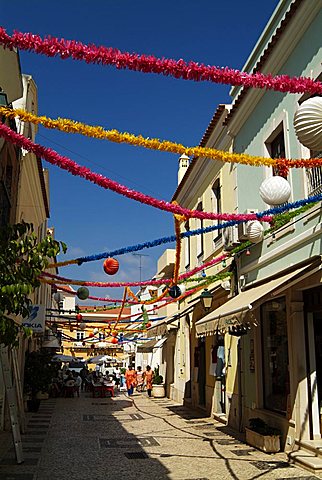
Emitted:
<point x="108" y="389"/>
<point x="69" y="391"/>
<point x="97" y="391"/>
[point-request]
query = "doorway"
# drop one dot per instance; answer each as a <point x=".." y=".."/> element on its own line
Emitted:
<point x="202" y="371"/>
<point x="317" y="324"/>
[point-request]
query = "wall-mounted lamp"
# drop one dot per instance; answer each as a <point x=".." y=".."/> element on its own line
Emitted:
<point x="3" y="98"/>
<point x="206" y="298"/>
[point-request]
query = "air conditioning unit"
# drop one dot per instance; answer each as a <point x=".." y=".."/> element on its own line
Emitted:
<point x="242" y="227"/>
<point x="230" y="237"/>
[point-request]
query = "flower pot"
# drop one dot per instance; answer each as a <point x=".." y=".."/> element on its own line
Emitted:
<point x="158" y="391"/>
<point x="266" y="443"/>
<point x="33" y="405"/>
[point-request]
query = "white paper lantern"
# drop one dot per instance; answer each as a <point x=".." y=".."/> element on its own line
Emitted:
<point x="82" y="326"/>
<point x="275" y="190"/>
<point x="182" y="288"/>
<point x="308" y="123"/>
<point x="255" y="231"/>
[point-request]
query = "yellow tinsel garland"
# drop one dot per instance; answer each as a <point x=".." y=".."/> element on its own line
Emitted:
<point x="71" y="126"/>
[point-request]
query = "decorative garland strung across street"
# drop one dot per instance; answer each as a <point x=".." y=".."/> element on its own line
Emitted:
<point x="71" y="126"/>
<point x="172" y="238"/>
<point x="56" y="279"/>
<point x="77" y="170"/>
<point x="52" y="46"/>
<point x="141" y="246"/>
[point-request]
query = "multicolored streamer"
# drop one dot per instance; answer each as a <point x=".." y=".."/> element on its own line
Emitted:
<point x="77" y="170"/>
<point x="71" y="126"/>
<point x="56" y="279"/>
<point x="52" y="47"/>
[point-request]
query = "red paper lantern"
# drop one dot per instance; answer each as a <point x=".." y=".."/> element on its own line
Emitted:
<point x="114" y="340"/>
<point x="148" y="325"/>
<point x="114" y="333"/>
<point x="79" y="317"/>
<point x="111" y="266"/>
<point x="91" y="335"/>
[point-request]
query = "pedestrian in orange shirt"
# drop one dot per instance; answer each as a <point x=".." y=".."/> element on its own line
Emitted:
<point x="148" y="378"/>
<point x="130" y="379"/>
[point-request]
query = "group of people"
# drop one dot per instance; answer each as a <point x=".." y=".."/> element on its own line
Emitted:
<point x="65" y="383"/>
<point x="68" y="381"/>
<point x="139" y="379"/>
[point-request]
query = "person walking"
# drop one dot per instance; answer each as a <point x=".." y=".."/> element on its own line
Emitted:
<point x="130" y="379"/>
<point x="139" y="380"/>
<point x="148" y="378"/>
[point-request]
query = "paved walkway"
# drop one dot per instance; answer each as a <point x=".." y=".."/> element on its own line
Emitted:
<point x="138" y="438"/>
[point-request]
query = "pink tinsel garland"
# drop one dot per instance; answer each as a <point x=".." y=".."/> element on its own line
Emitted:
<point x="162" y="281"/>
<point x="52" y="46"/>
<point x="77" y="170"/>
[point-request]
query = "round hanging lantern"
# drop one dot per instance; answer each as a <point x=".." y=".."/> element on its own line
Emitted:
<point x="82" y="293"/>
<point x="91" y="335"/>
<point x="111" y="266"/>
<point x="275" y="190"/>
<point x="148" y="325"/>
<point x="114" y="333"/>
<point x="308" y="123"/>
<point x="174" y="291"/>
<point x="114" y="340"/>
<point x="95" y="330"/>
<point x="79" y="317"/>
<point x="255" y="231"/>
<point x="58" y="297"/>
<point x="182" y="288"/>
<point x="82" y="326"/>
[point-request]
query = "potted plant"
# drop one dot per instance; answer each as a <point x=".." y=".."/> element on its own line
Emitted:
<point x="39" y="372"/>
<point x="158" y="389"/>
<point x="260" y="435"/>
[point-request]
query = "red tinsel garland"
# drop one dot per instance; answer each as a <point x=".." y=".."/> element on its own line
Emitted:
<point x="52" y="46"/>
<point x="77" y="170"/>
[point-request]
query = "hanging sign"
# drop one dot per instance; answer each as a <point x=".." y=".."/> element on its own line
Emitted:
<point x="36" y="319"/>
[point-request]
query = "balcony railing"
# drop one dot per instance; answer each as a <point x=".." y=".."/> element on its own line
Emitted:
<point x="314" y="177"/>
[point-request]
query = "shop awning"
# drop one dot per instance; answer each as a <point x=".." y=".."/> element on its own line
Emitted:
<point x="160" y="342"/>
<point x="239" y="308"/>
<point x="149" y="346"/>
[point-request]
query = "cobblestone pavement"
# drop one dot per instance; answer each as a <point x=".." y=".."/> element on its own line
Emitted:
<point x="134" y="438"/>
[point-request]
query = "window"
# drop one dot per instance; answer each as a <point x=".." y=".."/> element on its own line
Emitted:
<point x="200" y="236"/>
<point x="216" y="207"/>
<point x="6" y="193"/>
<point x="314" y="176"/>
<point x="80" y="335"/>
<point x="275" y="355"/>
<point x="276" y="147"/>
<point x="187" y="247"/>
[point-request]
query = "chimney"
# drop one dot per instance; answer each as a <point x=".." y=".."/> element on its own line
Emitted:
<point x="184" y="162"/>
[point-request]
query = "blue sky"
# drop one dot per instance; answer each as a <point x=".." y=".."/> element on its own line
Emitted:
<point x="88" y="218"/>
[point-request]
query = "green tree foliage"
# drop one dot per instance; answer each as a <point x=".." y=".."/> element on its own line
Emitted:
<point x="22" y="259"/>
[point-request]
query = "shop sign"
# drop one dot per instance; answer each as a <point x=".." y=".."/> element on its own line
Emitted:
<point x="36" y="319"/>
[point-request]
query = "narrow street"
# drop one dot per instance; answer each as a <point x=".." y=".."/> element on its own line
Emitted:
<point x="139" y="438"/>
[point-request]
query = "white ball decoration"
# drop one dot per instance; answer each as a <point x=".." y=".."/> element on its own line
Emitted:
<point x="275" y="190"/>
<point x="255" y="231"/>
<point x="308" y="123"/>
<point x="182" y="288"/>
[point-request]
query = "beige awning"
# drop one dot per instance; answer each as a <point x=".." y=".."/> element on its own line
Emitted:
<point x="146" y="347"/>
<point x="239" y="308"/>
